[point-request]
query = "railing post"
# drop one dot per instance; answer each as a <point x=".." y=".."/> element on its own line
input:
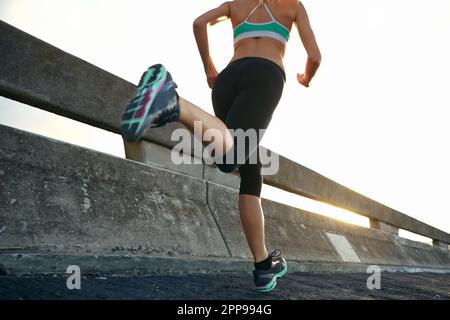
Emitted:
<point x="383" y="226"/>
<point x="440" y="244"/>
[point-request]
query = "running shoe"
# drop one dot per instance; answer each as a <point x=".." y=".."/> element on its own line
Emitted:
<point x="266" y="280"/>
<point x="155" y="104"/>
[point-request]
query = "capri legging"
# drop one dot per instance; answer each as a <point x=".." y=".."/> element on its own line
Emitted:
<point x="244" y="96"/>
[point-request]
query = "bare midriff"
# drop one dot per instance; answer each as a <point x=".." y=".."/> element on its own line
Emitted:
<point x="267" y="48"/>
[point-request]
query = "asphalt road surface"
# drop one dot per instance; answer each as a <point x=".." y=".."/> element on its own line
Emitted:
<point x="232" y="286"/>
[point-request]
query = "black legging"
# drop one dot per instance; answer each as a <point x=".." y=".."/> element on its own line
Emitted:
<point x="244" y="96"/>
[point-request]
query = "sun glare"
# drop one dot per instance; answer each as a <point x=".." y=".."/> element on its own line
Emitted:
<point x="313" y="206"/>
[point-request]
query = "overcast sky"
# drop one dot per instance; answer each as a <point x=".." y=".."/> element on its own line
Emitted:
<point x="375" y="118"/>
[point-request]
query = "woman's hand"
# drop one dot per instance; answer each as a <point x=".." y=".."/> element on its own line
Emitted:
<point x="211" y="77"/>
<point x="302" y="80"/>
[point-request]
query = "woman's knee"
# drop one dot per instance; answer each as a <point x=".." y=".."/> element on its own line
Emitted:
<point x="227" y="168"/>
<point x="251" y="179"/>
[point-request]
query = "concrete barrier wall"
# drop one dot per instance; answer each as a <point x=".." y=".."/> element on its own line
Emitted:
<point x="56" y="198"/>
<point x="296" y="178"/>
<point x="302" y="235"/>
<point x="43" y="76"/>
<point x="154" y="154"/>
<point x="306" y="236"/>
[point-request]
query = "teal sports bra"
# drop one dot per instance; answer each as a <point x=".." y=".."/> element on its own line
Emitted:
<point x="272" y="29"/>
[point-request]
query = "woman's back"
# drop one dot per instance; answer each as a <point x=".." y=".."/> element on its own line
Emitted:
<point x="284" y="13"/>
<point x="261" y="29"/>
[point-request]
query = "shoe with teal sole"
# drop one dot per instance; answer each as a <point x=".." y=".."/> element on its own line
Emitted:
<point x="266" y="280"/>
<point x="155" y="104"/>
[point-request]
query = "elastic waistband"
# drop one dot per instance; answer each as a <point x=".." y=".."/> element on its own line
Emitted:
<point x="260" y="58"/>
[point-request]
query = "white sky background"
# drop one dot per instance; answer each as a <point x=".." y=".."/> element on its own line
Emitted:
<point x="375" y="118"/>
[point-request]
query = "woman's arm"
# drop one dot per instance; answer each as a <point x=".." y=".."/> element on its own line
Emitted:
<point x="201" y="36"/>
<point x="309" y="42"/>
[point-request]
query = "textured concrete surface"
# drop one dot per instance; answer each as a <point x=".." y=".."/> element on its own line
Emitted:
<point x="441" y="244"/>
<point x="36" y="73"/>
<point x="343" y="247"/>
<point x="294" y="286"/>
<point x="157" y="155"/>
<point x="230" y="180"/>
<point x="306" y="236"/>
<point x="224" y="204"/>
<point x="298" y="179"/>
<point x="380" y="225"/>
<point x="59" y="197"/>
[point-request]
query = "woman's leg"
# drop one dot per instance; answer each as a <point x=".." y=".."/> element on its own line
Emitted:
<point x="252" y="218"/>
<point x="189" y="114"/>
<point x="245" y="98"/>
<point x="250" y="210"/>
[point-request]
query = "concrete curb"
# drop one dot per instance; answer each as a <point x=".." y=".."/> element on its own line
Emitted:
<point x="20" y="264"/>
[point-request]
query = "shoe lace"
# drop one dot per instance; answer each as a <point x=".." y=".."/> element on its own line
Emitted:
<point x="275" y="253"/>
<point x="169" y="85"/>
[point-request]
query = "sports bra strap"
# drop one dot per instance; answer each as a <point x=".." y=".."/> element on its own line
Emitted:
<point x="257" y="6"/>
<point x="268" y="11"/>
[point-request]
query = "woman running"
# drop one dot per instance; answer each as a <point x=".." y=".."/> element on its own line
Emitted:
<point x="244" y="96"/>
